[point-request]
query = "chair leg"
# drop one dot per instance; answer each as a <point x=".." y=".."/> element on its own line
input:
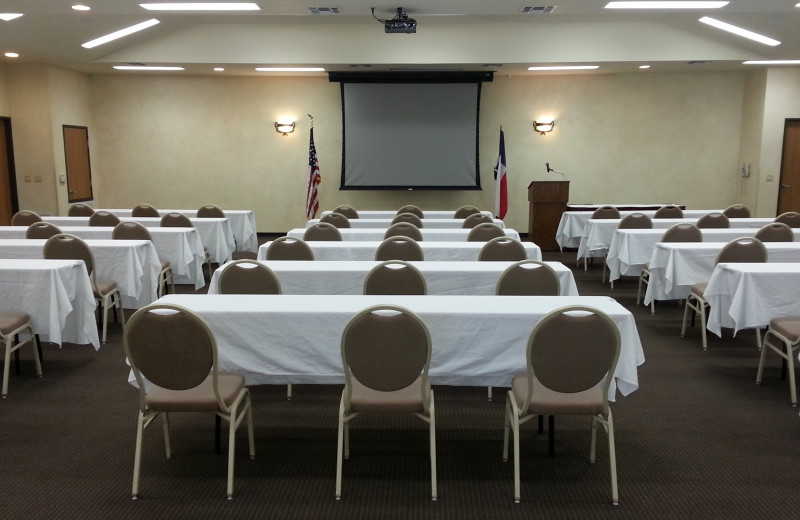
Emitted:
<point x="612" y="459"/>
<point x="432" y="435"/>
<point x="489" y="393"/>
<point x="289" y="392"/>
<point x="339" y="449"/>
<point x="137" y="457"/>
<point x="551" y="435"/>
<point x="9" y="343"/>
<point x="686" y="308"/>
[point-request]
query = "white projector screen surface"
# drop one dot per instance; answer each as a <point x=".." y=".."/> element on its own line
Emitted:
<point x="410" y="136"/>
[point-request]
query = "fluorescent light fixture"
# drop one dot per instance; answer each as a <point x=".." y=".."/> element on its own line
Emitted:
<point x="81" y="7"/>
<point x="119" y="34"/>
<point x="202" y="6"/>
<point x="146" y="67"/>
<point x="218" y="69"/>
<point x="644" y="66"/>
<point x="9" y="16"/>
<point x="11" y="55"/>
<point x="744" y="33"/>
<point x="666" y="5"/>
<point x="566" y="67"/>
<point x="771" y="62"/>
<point x="290" y="69"/>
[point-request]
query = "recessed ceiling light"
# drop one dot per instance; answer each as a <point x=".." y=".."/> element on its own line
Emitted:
<point x="81" y="7"/>
<point x="744" y="33"/>
<point x="119" y="34"/>
<point x="146" y="67"/>
<point x="9" y="16"/>
<point x="11" y="55"/>
<point x="290" y="69"/>
<point x="566" y="67"/>
<point x="202" y="6"/>
<point x="771" y="62"/>
<point x="666" y="5"/>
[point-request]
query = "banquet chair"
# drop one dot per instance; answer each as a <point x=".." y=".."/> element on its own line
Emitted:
<point x="130" y="230"/>
<point x="632" y="221"/>
<point x="465" y="211"/>
<point x="713" y="220"/>
<point x="503" y="249"/>
<point x="80" y="210"/>
<point x="288" y="248"/>
<point x="746" y="249"/>
<point x="395" y="277"/>
<point x="42" y="230"/>
<point x="571" y="357"/>
<point x="210" y="211"/>
<point x="783" y="337"/>
<point x="103" y="219"/>
<point x="603" y="212"/>
<point x="792" y="218"/>
<point x="248" y="277"/>
<point x="70" y="247"/>
<point x="736" y="211"/>
<point x="145" y="210"/>
<point x="347" y="211"/>
<point x="399" y="248"/>
<point x="405" y="229"/>
<point x="24" y="218"/>
<point x="386" y="352"/>
<point x="410" y="208"/>
<point x="11" y="325"/>
<point x="323" y="231"/>
<point x="476" y="218"/>
<point x="176" y="219"/>
<point x="408" y="217"/>
<point x="173" y="355"/>
<point x="336" y="219"/>
<point x="485" y="232"/>
<point x="775" y="232"/>
<point x="683" y="232"/>
<point x="668" y="211"/>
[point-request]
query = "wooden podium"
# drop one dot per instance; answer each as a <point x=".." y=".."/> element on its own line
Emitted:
<point x="548" y="200"/>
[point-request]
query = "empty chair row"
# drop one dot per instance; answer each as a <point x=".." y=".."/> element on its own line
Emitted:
<point x="462" y="212"/>
<point x="144" y="210"/>
<point x="341" y="221"/>
<point x="672" y="211"/>
<point x="326" y="231"/>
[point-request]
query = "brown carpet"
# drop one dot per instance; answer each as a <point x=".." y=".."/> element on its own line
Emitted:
<point x="698" y="440"/>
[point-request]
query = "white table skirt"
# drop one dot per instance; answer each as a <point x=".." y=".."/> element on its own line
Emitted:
<point x="675" y="267"/>
<point x="632" y="248"/>
<point x="373" y="234"/>
<point x="181" y="247"/>
<point x="747" y="296"/>
<point x="391" y="214"/>
<point x="332" y="277"/>
<point x="215" y="233"/>
<point x="132" y="264"/>
<point x="243" y="224"/>
<point x="57" y="294"/>
<point x="427" y="223"/>
<point x="432" y="251"/>
<point x="572" y="223"/>
<point x="476" y="340"/>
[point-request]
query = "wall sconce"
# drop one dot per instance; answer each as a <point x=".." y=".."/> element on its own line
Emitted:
<point x="543" y="128"/>
<point x="284" y="128"/>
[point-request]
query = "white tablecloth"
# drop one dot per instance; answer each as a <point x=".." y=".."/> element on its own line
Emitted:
<point x="391" y="214"/>
<point x="243" y="224"/>
<point x="434" y="235"/>
<point x="745" y="296"/>
<point x="215" y="233"/>
<point x="133" y="264"/>
<point x="56" y="294"/>
<point x="181" y="247"/>
<point x="433" y="251"/>
<point x="675" y="267"/>
<point x="427" y="223"/>
<point x="632" y="248"/>
<point x="332" y="277"/>
<point x="477" y="340"/>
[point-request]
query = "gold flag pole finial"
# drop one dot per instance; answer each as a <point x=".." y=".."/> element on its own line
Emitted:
<point x="312" y="120"/>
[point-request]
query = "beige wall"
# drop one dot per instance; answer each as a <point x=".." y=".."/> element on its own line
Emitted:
<point x="4" y="104"/>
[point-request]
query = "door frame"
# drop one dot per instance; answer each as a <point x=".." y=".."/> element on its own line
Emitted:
<point x="12" y="171"/>
<point x="64" y="128"/>
<point x="786" y="123"/>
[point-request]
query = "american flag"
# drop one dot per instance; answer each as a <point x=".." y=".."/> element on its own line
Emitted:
<point x="314" y="178"/>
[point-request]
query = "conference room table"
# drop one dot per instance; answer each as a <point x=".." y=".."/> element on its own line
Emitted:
<point x="676" y="266"/>
<point x="432" y="251"/>
<point x="380" y="214"/>
<point x="243" y="224"/>
<point x="215" y="233"/>
<point x="476" y="340"/>
<point x="599" y="233"/>
<point x="132" y="264"/>
<point x="748" y="295"/>
<point x="572" y="223"/>
<point x="427" y="223"/>
<point x="332" y="277"/>
<point x="57" y="294"/>
<point x="630" y="249"/>
<point x="181" y="247"/>
<point x="373" y="234"/>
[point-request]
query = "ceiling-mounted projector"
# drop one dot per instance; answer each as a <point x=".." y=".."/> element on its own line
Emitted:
<point x="401" y="23"/>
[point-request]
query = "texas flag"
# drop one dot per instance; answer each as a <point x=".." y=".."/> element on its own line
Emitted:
<point x="501" y="183"/>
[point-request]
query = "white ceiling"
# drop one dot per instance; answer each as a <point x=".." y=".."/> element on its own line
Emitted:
<point x="451" y="34"/>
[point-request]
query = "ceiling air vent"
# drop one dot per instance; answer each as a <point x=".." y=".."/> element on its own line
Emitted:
<point x="545" y="9"/>
<point x="324" y="10"/>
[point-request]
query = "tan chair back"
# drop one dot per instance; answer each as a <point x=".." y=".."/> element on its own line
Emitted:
<point x="529" y="278"/>
<point x="322" y="231"/>
<point x="636" y="221"/>
<point x="25" y="218"/>
<point x="103" y="219"/>
<point x="130" y="230"/>
<point x="485" y="232"/>
<point x="501" y="249"/>
<point x="145" y="210"/>
<point x="336" y="219"/>
<point x="683" y="232"/>
<point x="210" y="211"/>
<point x="775" y="232"/>
<point x="175" y="219"/>
<point x="80" y="210"/>
<point x="288" y="248"/>
<point x="791" y="218"/>
<point x="745" y="249"/>
<point x="668" y="211"/>
<point x="465" y="211"/>
<point x="713" y="220"/>
<point x="69" y="247"/>
<point x="737" y="211"/>
<point x="347" y="211"/>
<point x="606" y="212"/>
<point x="42" y="230"/>
<point x="476" y="218"/>
<point x="248" y="277"/>
<point x="410" y="208"/>
<point x="408" y="217"/>
<point x="395" y="277"/>
<point x="399" y="247"/>
<point x="404" y="229"/>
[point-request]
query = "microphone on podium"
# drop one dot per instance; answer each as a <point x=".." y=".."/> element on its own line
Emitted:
<point x="549" y="169"/>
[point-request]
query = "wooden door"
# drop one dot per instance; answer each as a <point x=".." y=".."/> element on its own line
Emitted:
<point x="79" y="171"/>
<point x="8" y="179"/>
<point x="789" y="193"/>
